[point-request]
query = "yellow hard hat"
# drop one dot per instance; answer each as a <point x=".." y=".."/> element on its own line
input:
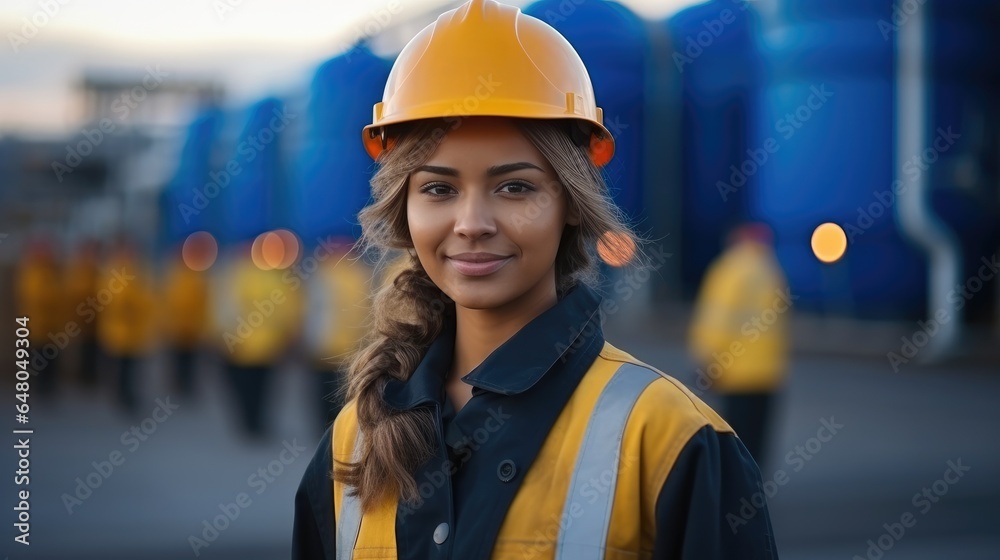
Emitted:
<point x="489" y="59"/>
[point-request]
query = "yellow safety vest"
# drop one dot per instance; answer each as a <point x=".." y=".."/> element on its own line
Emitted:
<point x="127" y="325"/>
<point x="257" y="314"/>
<point x="625" y="425"/>
<point x="739" y="332"/>
<point x="185" y="301"/>
<point x="337" y="310"/>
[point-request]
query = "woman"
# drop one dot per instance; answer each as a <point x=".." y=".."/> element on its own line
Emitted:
<point x="487" y="417"/>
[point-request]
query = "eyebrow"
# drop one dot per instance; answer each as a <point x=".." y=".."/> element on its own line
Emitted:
<point x="491" y="172"/>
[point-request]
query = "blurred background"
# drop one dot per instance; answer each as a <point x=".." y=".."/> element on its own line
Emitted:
<point x="179" y="184"/>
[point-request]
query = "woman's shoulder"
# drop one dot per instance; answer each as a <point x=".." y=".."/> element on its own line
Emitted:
<point x="670" y="431"/>
<point x="666" y="403"/>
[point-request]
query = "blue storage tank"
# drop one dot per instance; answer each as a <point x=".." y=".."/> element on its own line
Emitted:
<point x="714" y="55"/>
<point x="257" y="198"/>
<point x="184" y="211"/>
<point x="965" y="98"/>
<point x="827" y="104"/>
<point x="333" y="169"/>
<point x="612" y="43"/>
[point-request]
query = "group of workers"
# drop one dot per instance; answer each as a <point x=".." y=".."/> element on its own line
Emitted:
<point x="97" y="314"/>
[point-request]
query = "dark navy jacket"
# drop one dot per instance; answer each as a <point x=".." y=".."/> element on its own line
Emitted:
<point x="530" y="378"/>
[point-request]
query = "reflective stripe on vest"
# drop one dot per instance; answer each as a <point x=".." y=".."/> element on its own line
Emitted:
<point x="587" y="536"/>
<point x="349" y="524"/>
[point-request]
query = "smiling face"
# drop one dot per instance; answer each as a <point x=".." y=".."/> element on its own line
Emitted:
<point x="486" y="213"/>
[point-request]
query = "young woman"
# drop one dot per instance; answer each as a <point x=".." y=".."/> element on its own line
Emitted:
<point x="487" y="417"/>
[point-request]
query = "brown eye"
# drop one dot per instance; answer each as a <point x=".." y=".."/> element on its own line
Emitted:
<point x="516" y="187"/>
<point x="436" y="189"/>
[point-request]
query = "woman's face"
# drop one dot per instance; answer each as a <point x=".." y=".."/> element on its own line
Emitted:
<point x="485" y="214"/>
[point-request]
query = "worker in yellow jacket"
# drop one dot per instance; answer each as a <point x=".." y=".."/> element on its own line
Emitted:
<point x="185" y="318"/>
<point x="487" y="416"/>
<point x="739" y="332"/>
<point x="257" y="319"/>
<point x="40" y="297"/>
<point x="82" y="277"/>
<point x="125" y="306"/>
<point x="336" y="320"/>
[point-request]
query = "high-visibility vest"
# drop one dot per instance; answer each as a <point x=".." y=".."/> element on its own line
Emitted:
<point x="127" y="324"/>
<point x="257" y="313"/>
<point x="185" y="305"/>
<point x="39" y="297"/>
<point x="625" y="424"/>
<point x="337" y="310"/>
<point x="739" y="331"/>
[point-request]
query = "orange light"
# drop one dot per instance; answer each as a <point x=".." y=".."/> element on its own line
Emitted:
<point x="615" y="248"/>
<point x="272" y="249"/>
<point x="199" y="251"/>
<point x="257" y="252"/>
<point x="276" y="249"/>
<point x="829" y="242"/>
<point x="291" y="247"/>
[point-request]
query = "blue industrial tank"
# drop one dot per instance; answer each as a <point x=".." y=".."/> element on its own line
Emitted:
<point x="965" y="123"/>
<point x="332" y="170"/>
<point x="827" y="107"/>
<point x="256" y="198"/>
<point x="715" y="58"/>
<point x="184" y="208"/>
<point x="612" y="43"/>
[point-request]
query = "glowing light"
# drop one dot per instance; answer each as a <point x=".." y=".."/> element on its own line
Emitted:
<point x="615" y="248"/>
<point x="272" y="249"/>
<point x="257" y="252"/>
<point x="291" y="245"/>
<point x="199" y="251"/>
<point x="829" y="242"/>
<point x="275" y="249"/>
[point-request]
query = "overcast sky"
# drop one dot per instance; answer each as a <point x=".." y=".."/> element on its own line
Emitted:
<point x="255" y="47"/>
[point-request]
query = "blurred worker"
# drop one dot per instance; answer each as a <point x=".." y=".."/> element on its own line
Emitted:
<point x="257" y="320"/>
<point x="40" y="298"/>
<point x="336" y="319"/>
<point x="739" y="336"/>
<point x="126" y="317"/>
<point x="82" y="275"/>
<point x="185" y="299"/>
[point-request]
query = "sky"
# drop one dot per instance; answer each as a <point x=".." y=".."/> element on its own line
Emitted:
<point x="255" y="47"/>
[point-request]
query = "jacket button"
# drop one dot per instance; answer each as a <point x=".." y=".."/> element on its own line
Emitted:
<point x="441" y="533"/>
<point x="506" y="470"/>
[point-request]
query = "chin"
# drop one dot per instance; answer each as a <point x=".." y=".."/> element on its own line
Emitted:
<point x="484" y="296"/>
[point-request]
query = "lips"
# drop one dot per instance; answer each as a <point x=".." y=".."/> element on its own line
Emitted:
<point x="478" y="264"/>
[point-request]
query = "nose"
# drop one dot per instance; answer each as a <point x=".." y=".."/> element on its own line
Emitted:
<point x="475" y="218"/>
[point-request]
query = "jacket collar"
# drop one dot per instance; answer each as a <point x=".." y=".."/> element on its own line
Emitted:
<point x="514" y="367"/>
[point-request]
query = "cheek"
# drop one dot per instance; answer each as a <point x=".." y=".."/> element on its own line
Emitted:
<point x="425" y="229"/>
<point x="537" y="228"/>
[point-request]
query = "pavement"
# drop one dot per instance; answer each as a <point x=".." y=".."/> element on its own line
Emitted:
<point x="152" y="490"/>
